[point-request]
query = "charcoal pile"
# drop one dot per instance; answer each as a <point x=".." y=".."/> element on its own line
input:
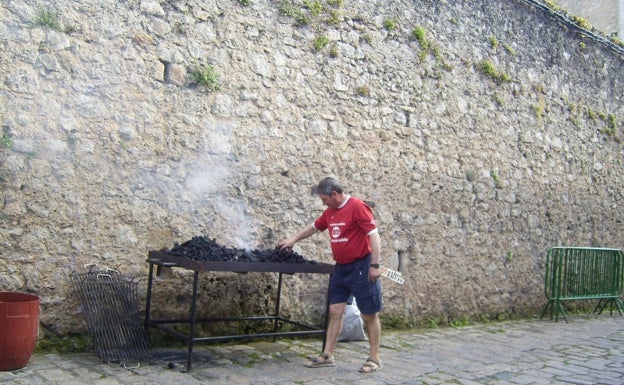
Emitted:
<point x="202" y="248"/>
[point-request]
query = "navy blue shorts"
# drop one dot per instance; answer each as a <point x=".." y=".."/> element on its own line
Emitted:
<point x="352" y="279"/>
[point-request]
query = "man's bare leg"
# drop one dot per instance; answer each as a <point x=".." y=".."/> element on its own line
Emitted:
<point x="373" y="328"/>
<point x="334" y="327"/>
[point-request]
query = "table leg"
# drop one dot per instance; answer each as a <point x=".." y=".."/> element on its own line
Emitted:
<point x="191" y="337"/>
<point x="148" y="299"/>
<point x="277" y="305"/>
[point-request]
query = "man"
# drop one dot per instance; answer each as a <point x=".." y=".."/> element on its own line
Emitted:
<point x="355" y="245"/>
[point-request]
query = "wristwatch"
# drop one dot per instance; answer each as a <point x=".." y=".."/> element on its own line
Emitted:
<point x="375" y="265"/>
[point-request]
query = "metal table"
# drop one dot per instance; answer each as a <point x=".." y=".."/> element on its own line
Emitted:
<point x="162" y="259"/>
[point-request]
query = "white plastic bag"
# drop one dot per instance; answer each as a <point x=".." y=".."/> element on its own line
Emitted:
<point x="352" y="326"/>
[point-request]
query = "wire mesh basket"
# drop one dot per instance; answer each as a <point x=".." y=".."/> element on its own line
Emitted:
<point x="110" y="305"/>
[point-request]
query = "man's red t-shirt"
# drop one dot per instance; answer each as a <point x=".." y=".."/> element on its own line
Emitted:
<point x="349" y="227"/>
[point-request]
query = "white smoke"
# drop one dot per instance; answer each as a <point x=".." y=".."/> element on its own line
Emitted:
<point x="241" y="227"/>
<point x="209" y="182"/>
<point x="207" y="177"/>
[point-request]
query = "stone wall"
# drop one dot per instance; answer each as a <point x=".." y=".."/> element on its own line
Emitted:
<point x="483" y="132"/>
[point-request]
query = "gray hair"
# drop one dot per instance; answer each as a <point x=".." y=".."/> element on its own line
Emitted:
<point x="328" y="185"/>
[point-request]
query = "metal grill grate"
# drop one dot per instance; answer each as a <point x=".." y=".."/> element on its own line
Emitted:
<point x="109" y="303"/>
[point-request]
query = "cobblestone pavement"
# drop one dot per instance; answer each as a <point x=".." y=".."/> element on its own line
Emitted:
<point x="588" y="350"/>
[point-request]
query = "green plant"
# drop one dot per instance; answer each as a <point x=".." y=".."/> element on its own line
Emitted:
<point x="317" y="14"/>
<point x="488" y="68"/>
<point x="363" y="91"/>
<point x="433" y="324"/>
<point x="287" y="8"/>
<point x="498" y="100"/>
<point x="390" y="24"/>
<point x="495" y="177"/>
<point x="6" y="141"/>
<point x="71" y="343"/>
<point x="509" y="256"/>
<point x="320" y="42"/>
<point x="254" y="357"/>
<point x="576" y="121"/>
<point x="435" y="51"/>
<point x="551" y="4"/>
<point x="206" y="76"/>
<point x="419" y="34"/>
<point x="459" y="323"/>
<point x="510" y="49"/>
<point x="539" y="108"/>
<point x="582" y="22"/>
<point x="245" y="2"/>
<point x="493" y="42"/>
<point x="47" y="18"/>
<point x="334" y="51"/>
<point x="315" y="7"/>
<point x="612" y="128"/>
<point x="335" y="17"/>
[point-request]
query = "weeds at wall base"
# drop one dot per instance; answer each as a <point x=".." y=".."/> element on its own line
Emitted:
<point x="71" y="343"/>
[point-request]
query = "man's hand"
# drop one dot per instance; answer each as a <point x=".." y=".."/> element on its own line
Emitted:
<point x="286" y="244"/>
<point x="301" y="234"/>
<point x="373" y="274"/>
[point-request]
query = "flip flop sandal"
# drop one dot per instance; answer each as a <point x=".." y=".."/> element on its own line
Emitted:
<point x="323" y="360"/>
<point x="371" y="366"/>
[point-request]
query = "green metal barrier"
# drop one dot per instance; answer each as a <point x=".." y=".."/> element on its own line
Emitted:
<point x="583" y="273"/>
